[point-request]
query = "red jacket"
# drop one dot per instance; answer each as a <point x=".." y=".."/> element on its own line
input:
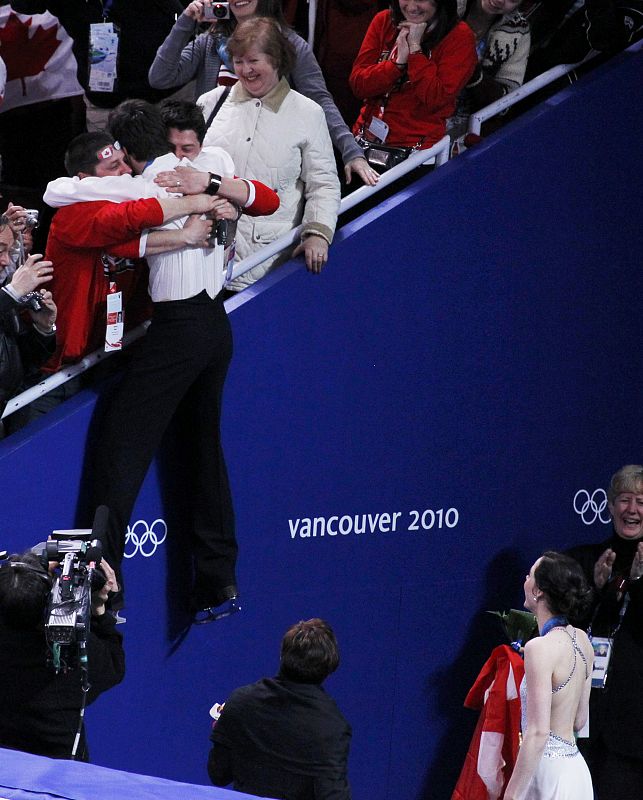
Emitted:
<point x="494" y="747"/>
<point x="78" y="237"/>
<point x="416" y="111"/>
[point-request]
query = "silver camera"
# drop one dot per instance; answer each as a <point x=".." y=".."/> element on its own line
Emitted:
<point x="31" y="218"/>
<point x="214" y="11"/>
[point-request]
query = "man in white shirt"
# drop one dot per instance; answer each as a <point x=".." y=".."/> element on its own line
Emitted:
<point x="180" y="368"/>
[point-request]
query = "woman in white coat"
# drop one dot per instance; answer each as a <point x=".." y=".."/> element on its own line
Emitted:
<point x="278" y="136"/>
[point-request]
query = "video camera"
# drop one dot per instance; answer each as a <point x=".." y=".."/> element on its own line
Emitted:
<point x="69" y="606"/>
<point x="68" y="613"/>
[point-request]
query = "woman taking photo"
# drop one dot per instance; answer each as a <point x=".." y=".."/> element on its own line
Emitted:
<point x="555" y="690"/>
<point x="414" y="61"/>
<point x="179" y="60"/>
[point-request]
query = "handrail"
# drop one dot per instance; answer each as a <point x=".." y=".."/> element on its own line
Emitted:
<point x="438" y="153"/>
<point x="516" y="95"/>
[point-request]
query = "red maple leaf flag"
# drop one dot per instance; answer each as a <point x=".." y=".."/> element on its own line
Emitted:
<point x="37" y="53"/>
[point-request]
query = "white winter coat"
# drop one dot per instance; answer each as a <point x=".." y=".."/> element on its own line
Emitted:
<point x="282" y="140"/>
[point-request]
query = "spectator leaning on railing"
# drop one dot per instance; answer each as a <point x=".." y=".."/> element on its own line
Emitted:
<point x="278" y="136"/>
<point x="414" y="61"/>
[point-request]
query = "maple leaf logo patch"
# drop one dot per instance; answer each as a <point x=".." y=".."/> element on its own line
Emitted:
<point x="26" y="56"/>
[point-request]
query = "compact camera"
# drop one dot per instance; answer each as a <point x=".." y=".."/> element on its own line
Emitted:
<point x="214" y="11"/>
<point x="31" y="218"/>
<point x="32" y="300"/>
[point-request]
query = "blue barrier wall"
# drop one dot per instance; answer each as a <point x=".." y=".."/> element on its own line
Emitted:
<point x="432" y="403"/>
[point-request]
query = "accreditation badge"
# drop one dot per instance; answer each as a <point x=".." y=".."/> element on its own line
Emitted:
<point x="115" y="324"/>
<point x="602" y="654"/>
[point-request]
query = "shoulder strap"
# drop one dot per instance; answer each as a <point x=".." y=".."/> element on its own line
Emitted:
<point x="215" y="110"/>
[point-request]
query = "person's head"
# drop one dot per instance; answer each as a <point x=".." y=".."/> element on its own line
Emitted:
<point x="625" y="501"/>
<point x="140" y="129"/>
<point x="558" y="581"/>
<point x="245" y="9"/>
<point x="441" y="16"/>
<point x="185" y="126"/>
<point x="7" y="242"/>
<point x="95" y="154"/>
<point x="261" y="55"/>
<point x="24" y="589"/>
<point x="309" y="652"/>
<point x="498" y="7"/>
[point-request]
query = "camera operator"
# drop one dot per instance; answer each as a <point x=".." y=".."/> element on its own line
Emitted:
<point x="41" y="708"/>
<point x="22" y="346"/>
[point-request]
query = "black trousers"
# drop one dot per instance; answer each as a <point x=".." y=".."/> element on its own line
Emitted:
<point x="181" y="366"/>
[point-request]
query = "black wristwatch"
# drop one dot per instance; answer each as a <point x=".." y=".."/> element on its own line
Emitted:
<point x="214" y="184"/>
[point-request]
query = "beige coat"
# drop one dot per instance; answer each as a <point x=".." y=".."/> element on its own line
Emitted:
<point x="282" y="140"/>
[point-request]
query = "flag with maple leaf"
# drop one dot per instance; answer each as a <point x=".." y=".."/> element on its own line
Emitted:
<point x="37" y="54"/>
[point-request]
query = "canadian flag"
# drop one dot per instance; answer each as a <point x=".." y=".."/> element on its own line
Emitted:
<point x="36" y="51"/>
<point x="494" y="747"/>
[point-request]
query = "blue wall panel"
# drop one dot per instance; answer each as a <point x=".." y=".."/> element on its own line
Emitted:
<point x="473" y="345"/>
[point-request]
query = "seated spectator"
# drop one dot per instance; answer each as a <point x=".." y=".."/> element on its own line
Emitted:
<point x="284" y="737"/>
<point x="41" y="708"/>
<point x="414" y="61"/>
<point x="568" y="32"/>
<point x="23" y="345"/>
<point x="289" y="148"/>
<point x="614" y="750"/>
<point x="179" y="61"/>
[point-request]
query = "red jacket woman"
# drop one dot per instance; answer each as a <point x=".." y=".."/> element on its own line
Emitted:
<point x="414" y="61"/>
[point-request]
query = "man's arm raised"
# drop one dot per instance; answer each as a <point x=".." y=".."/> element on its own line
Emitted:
<point x="254" y="197"/>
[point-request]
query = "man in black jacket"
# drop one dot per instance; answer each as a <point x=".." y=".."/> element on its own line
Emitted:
<point x="284" y="737"/>
<point x="41" y="708"/>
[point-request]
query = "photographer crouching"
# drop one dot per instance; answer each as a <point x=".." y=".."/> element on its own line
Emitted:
<point x="43" y="703"/>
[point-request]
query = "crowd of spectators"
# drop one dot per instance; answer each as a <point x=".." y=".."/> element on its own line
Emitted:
<point x="400" y="74"/>
<point x="171" y="231"/>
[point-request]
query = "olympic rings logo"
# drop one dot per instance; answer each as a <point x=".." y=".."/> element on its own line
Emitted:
<point x="143" y="538"/>
<point x="591" y="507"/>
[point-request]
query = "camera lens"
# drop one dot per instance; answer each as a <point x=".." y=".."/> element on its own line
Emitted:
<point x="219" y="10"/>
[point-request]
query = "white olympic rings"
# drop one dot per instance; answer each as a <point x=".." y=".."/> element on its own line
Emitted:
<point x="143" y="538"/>
<point x="591" y="507"/>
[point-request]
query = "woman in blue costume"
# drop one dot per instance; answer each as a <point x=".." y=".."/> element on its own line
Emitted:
<point x="556" y="687"/>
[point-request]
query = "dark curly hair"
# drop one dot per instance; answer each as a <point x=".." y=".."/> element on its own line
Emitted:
<point x="445" y="19"/>
<point x="563" y="582"/>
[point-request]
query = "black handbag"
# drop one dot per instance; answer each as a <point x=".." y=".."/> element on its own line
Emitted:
<point x="383" y="157"/>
